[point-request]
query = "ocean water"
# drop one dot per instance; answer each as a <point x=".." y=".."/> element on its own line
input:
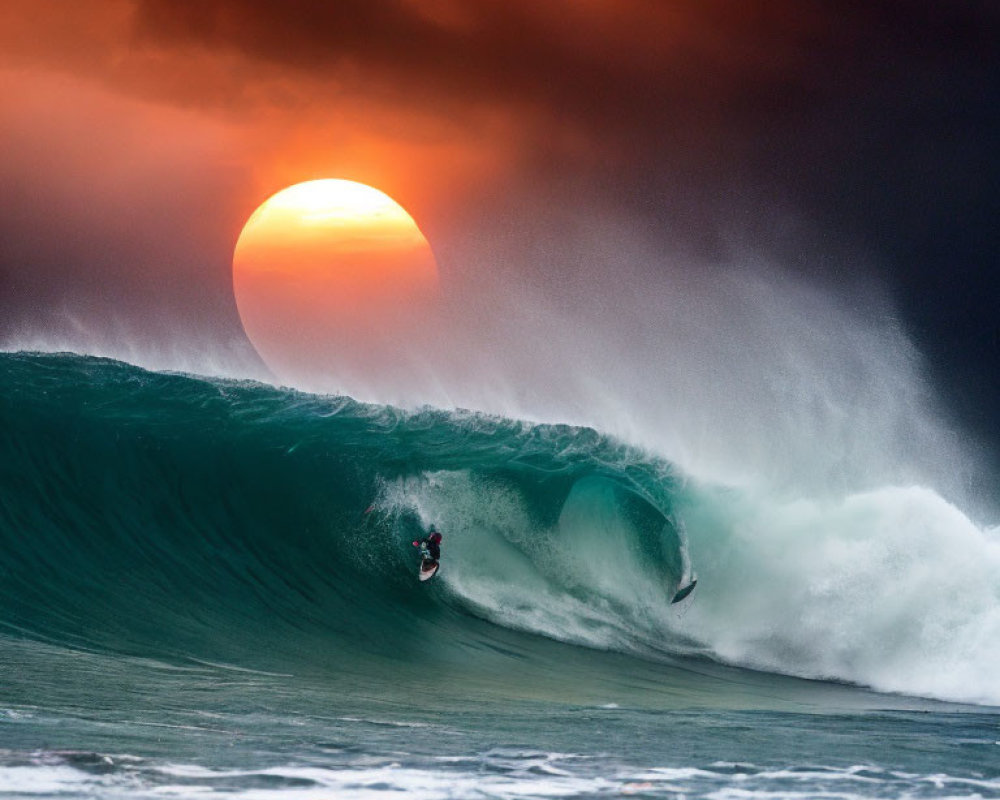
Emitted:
<point x="207" y="587"/>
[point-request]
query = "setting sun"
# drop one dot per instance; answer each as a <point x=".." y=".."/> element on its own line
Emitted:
<point x="331" y="279"/>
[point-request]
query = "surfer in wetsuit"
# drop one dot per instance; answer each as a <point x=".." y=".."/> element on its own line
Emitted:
<point x="430" y="545"/>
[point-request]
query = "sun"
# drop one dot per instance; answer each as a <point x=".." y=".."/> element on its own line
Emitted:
<point x="334" y="282"/>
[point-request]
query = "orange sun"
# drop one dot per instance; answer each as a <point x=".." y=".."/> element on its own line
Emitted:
<point x="333" y="281"/>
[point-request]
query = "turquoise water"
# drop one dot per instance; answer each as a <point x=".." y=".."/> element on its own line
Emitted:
<point x="208" y="586"/>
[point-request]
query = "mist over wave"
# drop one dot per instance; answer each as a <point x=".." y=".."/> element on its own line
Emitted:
<point x="168" y="515"/>
<point x="735" y="369"/>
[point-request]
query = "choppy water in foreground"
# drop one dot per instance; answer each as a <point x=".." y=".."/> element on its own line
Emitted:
<point x="208" y="587"/>
<point x="76" y="724"/>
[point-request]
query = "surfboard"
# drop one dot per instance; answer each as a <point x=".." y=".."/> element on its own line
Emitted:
<point x="682" y="593"/>
<point x="428" y="569"/>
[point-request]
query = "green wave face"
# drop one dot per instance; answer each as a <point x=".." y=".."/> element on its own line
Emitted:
<point x="163" y="516"/>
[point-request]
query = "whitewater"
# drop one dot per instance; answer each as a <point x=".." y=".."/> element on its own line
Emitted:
<point x="207" y="585"/>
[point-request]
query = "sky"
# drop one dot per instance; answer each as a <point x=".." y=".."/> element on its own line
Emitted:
<point x="552" y="152"/>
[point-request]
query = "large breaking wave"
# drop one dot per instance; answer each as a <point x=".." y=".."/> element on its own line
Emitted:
<point x="163" y="514"/>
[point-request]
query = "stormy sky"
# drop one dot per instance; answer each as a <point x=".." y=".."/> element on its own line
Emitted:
<point x="852" y="144"/>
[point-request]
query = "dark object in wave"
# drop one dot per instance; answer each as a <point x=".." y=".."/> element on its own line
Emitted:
<point x="685" y="592"/>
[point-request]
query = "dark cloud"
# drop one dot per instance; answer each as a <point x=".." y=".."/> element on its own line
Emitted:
<point x="603" y="66"/>
<point x="647" y="74"/>
<point x="867" y="114"/>
<point x="873" y="113"/>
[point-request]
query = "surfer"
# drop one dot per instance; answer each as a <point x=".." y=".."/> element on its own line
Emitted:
<point x="430" y="545"/>
<point x="430" y="552"/>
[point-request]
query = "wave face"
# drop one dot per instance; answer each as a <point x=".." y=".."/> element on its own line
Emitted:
<point x="166" y="515"/>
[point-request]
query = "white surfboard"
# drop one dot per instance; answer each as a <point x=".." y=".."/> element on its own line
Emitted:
<point x="428" y="569"/>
